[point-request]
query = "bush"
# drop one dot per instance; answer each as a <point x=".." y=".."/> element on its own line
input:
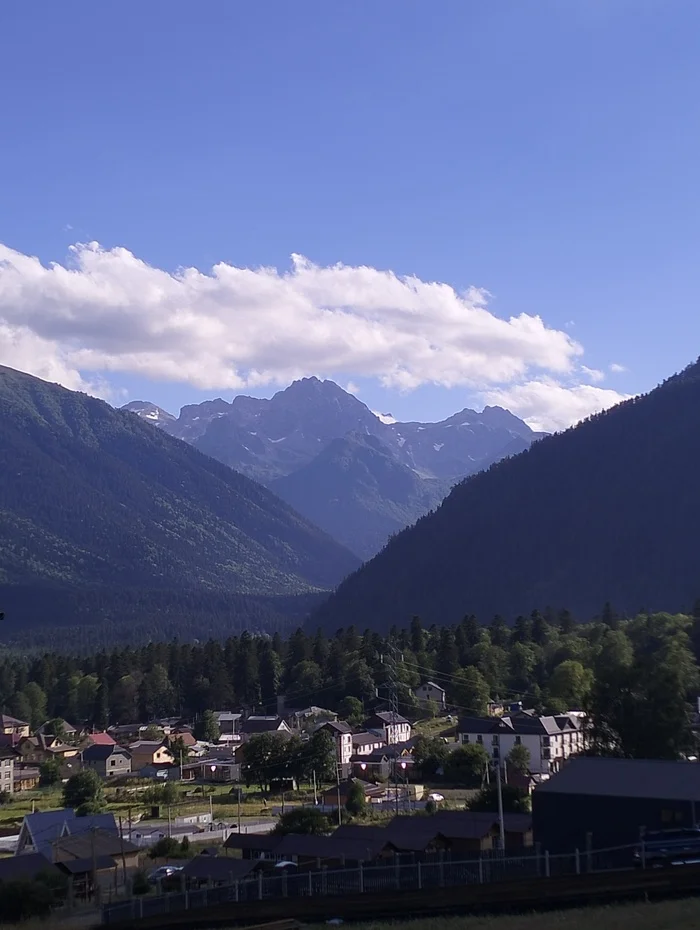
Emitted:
<point x="140" y="883"/>
<point x="306" y="820"/>
<point x="167" y="848"/>
<point x="84" y="792"/>
<point x="21" y="900"/>
<point x="356" y="803"/>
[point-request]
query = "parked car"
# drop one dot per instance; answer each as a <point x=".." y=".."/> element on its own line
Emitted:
<point x="660" y="848"/>
<point x="163" y="872"/>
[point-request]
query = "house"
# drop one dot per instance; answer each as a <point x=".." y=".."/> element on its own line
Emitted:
<point x="392" y="726"/>
<point x="181" y="740"/>
<point x="213" y="768"/>
<point x="67" y="730"/>
<point x="342" y="736"/>
<point x="387" y="762"/>
<point x="107" y="760"/>
<point x="98" y="739"/>
<point x="273" y="724"/>
<point x="325" y="851"/>
<point x="549" y="740"/>
<point x="599" y="802"/>
<point x="26" y="777"/>
<point x="430" y="691"/>
<point x="43" y="748"/>
<point x="253" y="845"/>
<point x="90" y="874"/>
<point x="341" y="792"/>
<point x="40" y="831"/>
<point x="229" y="726"/>
<point x="211" y="871"/>
<point x="11" y="726"/>
<point x="97" y="842"/>
<point x="7" y="770"/>
<point x="149" y="752"/>
<point x="365" y="743"/>
<point x="25" y="868"/>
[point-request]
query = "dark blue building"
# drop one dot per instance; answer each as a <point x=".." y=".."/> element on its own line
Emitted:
<point x="598" y="803"/>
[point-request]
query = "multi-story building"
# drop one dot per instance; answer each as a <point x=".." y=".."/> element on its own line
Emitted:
<point x="342" y="736"/>
<point x="549" y="740"/>
<point x="391" y="725"/>
<point x="11" y="726"/>
<point x="7" y="770"/>
<point x="430" y="691"/>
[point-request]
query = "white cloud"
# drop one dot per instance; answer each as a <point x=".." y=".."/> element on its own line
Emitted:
<point x="352" y="388"/>
<point x="545" y="404"/>
<point x="616" y="368"/>
<point x="106" y="310"/>
<point x="593" y="374"/>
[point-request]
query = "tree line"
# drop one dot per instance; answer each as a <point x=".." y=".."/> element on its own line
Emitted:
<point x="637" y="676"/>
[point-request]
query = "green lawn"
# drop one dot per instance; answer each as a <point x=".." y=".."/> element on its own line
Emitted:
<point x="664" y="915"/>
<point x="439" y="726"/>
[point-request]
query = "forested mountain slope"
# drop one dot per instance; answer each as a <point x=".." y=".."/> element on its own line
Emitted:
<point x="607" y="511"/>
<point x="97" y="505"/>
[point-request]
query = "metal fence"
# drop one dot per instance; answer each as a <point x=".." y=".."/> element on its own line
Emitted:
<point x="438" y="872"/>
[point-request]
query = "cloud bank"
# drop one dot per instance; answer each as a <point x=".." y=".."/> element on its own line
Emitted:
<point x="105" y="310"/>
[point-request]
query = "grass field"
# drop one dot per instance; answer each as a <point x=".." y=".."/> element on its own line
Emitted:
<point x="662" y="915"/>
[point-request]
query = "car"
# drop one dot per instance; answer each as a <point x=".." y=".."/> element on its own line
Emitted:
<point x="436" y="796"/>
<point x="660" y="848"/>
<point x="163" y="872"/>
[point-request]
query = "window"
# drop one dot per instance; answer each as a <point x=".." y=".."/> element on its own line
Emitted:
<point x="480" y="738"/>
<point x="496" y="752"/>
<point x="545" y="753"/>
<point x="465" y="737"/>
<point x="545" y="741"/>
<point x="495" y="740"/>
<point x="518" y="740"/>
<point x="112" y="762"/>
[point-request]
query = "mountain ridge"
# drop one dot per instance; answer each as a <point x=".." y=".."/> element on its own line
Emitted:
<point x="272" y="439"/>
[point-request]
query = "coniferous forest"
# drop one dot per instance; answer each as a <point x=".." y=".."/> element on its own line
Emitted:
<point x="637" y="677"/>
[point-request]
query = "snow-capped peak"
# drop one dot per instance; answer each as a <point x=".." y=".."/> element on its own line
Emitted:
<point x="384" y="418"/>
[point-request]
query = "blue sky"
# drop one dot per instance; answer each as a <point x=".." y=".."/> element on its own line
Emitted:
<point x="546" y="152"/>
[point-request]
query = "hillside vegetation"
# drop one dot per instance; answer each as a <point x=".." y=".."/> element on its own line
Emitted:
<point x="101" y="514"/>
<point x="606" y="511"/>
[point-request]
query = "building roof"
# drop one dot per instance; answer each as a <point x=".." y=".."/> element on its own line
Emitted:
<point x="339" y="726"/>
<point x="88" y="864"/>
<point x="365" y="739"/>
<point x="67" y="727"/>
<point x="262" y="725"/>
<point x="328" y="847"/>
<point x="45" y="827"/>
<point x="218" y="868"/>
<point x="432" y="684"/>
<point x="258" y="842"/>
<point x="16" y="868"/>
<point x="386" y="718"/>
<point x="148" y="745"/>
<point x="227" y="716"/>
<point x="7" y="721"/>
<point x="626" y="778"/>
<point x="512" y="723"/>
<point x="101" y="842"/>
<point x="100" y="753"/>
<point x="101" y="739"/>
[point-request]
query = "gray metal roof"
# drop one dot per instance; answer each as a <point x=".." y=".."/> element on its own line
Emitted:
<point x="630" y="778"/>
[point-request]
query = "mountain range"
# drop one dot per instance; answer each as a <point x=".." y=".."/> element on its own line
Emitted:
<point x="605" y="512"/>
<point x="105" y="518"/>
<point x="358" y="475"/>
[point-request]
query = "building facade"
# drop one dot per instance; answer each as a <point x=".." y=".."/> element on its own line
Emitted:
<point x="550" y="741"/>
<point x="392" y="726"/>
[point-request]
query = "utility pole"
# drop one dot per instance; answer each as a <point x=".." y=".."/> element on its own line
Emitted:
<point x="239" y="808"/>
<point x="337" y="778"/>
<point x="499" y="790"/>
<point x="121" y="843"/>
<point x="315" y="788"/>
